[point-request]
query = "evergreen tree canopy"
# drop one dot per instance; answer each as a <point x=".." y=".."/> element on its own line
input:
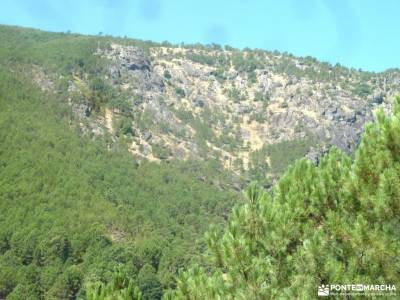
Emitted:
<point x="335" y="223"/>
<point x="119" y="288"/>
<point x="72" y="210"/>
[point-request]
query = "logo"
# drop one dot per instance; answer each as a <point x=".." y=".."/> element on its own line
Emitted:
<point x="323" y="290"/>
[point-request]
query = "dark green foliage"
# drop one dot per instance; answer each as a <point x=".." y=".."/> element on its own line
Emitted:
<point x="275" y="158"/>
<point x="124" y="126"/>
<point x="260" y="117"/>
<point x="203" y="131"/>
<point x="259" y="96"/>
<point x="362" y="90"/>
<point x="184" y="115"/>
<point x="286" y="152"/>
<point x="72" y="210"/>
<point x="167" y="74"/>
<point x="149" y="283"/>
<point x="56" y="51"/>
<point x="180" y="92"/>
<point x="219" y="73"/>
<point x="160" y="151"/>
<point x="101" y="93"/>
<point x="201" y="58"/>
<point x="123" y="104"/>
<point x="68" y="284"/>
<point x="309" y="67"/>
<point x="246" y="63"/>
<point x="252" y="77"/>
<point x="258" y="167"/>
<point x="334" y="223"/>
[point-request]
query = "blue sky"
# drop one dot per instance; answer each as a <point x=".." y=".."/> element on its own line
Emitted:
<point x="356" y="33"/>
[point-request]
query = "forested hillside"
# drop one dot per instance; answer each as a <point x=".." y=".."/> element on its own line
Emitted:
<point x="117" y="155"/>
<point x="73" y="211"/>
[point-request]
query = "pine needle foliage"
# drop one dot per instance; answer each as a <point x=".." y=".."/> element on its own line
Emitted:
<point x="334" y="223"/>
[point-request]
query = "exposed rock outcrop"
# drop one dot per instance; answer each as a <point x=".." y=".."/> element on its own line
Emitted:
<point x="202" y="104"/>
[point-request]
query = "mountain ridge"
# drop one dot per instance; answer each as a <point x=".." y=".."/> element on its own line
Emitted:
<point x="252" y="111"/>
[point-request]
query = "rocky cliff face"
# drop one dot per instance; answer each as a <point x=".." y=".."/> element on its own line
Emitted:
<point x="245" y="109"/>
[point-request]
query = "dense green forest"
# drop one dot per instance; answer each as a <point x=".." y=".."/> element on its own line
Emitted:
<point x="73" y="211"/>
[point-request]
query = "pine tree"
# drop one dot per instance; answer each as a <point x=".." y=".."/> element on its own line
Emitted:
<point x="120" y="287"/>
<point x="337" y="222"/>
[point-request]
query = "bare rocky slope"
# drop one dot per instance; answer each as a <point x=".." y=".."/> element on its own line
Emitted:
<point x="252" y="111"/>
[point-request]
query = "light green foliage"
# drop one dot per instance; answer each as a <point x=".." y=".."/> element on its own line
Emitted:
<point x="235" y="95"/>
<point x="203" y="130"/>
<point x="120" y="287"/>
<point x="145" y="119"/>
<point x="333" y="223"/>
